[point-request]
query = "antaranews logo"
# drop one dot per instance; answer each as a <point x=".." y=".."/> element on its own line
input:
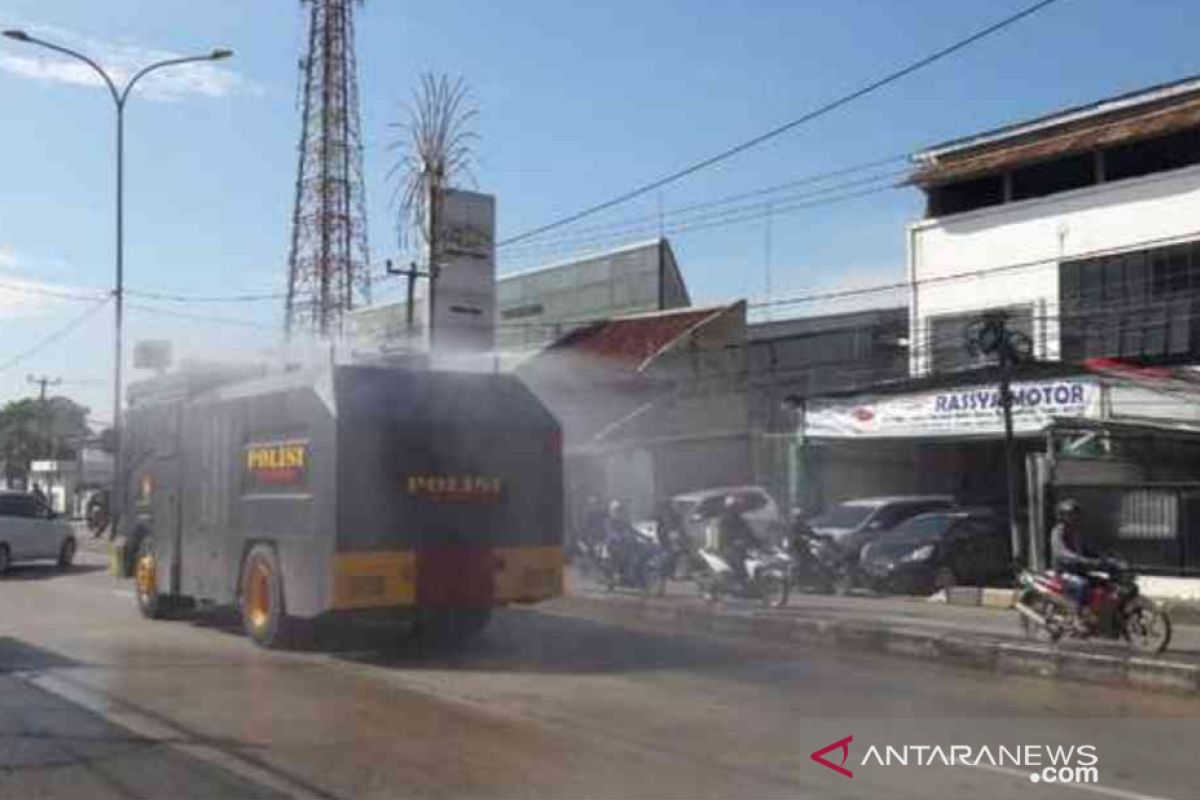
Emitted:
<point x="841" y="744"/>
<point x="1046" y="763"/>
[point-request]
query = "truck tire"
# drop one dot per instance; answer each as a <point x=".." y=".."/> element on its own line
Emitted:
<point x="261" y="598"/>
<point x="145" y="579"/>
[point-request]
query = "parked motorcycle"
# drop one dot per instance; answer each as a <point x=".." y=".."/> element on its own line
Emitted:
<point x="766" y="577"/>
<point x="1115" y="609"/>
<point x="644" y="567"/>
<point x="817" y="564"/>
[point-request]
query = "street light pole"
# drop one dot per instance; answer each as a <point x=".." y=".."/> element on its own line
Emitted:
<point x="991" y="335"/>
<point x="119" y="96"/>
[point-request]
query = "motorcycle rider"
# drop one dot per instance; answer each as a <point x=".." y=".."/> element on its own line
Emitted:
<point x="592" y="519"/>
<point x="1068" y="558"/>
<point x="620" y="538"/>
<point x="735" y="538"/>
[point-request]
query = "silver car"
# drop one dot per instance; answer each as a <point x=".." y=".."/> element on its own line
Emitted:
<point x="758" y="508"/>
<point x="31" y="531"/>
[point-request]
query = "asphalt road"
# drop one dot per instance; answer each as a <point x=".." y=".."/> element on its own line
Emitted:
<point x="95" y="701"/>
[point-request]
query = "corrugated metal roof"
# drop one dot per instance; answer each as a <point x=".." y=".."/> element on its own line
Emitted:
<point x="1138" y="98"/>
<point x="1081" y="135"/>
<point x="584" y="258"/>
<point x="630" y="341"/>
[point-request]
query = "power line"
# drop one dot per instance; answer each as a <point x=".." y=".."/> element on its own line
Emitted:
<point x="622" y="228"/>
<point x="808" y="117"/>
<point x="208" y="318"/>
<point x="53" y="337"/>
<point x="896" y="286"/>
<point x="807" y="180"/>
<point x="191" y="298"/>
<point x="743" y="213"/>
<point x="27" y="288"/>
<point x="800" y="299"/>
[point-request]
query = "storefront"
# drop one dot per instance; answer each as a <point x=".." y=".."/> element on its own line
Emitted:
<point x="1128" y="450"/>
<point x="932" y="439"/>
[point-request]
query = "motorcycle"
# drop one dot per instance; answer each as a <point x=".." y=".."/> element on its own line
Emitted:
<point x="817" y="564"/>
<point x="766" y="577"/>
<point x="644" y="567"/>
<point x="683" y="559"/>
<point x="1115" y="609"/>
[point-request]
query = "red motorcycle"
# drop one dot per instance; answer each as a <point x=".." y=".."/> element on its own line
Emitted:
<point x="1115" y="609"/>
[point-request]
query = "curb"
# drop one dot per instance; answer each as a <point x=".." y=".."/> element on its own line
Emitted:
<point x="989" y="597"/>
<point x="974" y="651"/>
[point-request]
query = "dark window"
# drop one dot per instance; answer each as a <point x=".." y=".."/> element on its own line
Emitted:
<point x="1173" y="151"/>
<point x="1049" y="177"/>
<point x="16" y="505"/>
<point x="529" y="310"/>
<point x="1130" y="160"/>
<point x="968" y="195"/>
<point x="948" y="337"/>
<point x="1139" y="305"/>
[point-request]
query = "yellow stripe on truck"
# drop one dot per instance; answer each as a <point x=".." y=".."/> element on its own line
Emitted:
<point x="528" y="574"/>
<point x="389" y="578"/>
<point x="371" y="580"/>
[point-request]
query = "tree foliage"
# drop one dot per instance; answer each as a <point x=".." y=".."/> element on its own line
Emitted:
<point x="30" y="431"/>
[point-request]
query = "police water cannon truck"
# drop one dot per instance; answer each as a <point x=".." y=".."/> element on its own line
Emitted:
<point x="303" y="494"/>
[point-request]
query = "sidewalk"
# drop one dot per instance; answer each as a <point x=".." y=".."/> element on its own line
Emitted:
<point x="52" y="748"/>
<point x="974" y="636"/>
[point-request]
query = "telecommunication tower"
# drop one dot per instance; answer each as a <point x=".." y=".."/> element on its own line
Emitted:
<point x="328" y="261"/>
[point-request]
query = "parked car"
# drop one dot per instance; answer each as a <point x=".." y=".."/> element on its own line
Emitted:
<point x="29" y="531"/>
<point x="854" y="523"/>
<point x="940" y="549"/>
<point x="758" y="508"/>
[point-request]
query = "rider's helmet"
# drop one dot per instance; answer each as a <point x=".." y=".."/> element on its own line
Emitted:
<point x="615" y="509"/>
<point x="733" y="502"/>
<point x="1067" y="509"/>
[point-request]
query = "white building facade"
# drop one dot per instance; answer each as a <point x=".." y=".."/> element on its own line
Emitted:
<point x="1081" y="225"/>
<point x="1083" y="228"/>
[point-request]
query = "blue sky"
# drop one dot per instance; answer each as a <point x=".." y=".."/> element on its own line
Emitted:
<point x="577" y="101"/>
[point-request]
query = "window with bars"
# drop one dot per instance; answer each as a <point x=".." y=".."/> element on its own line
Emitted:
<point x="1139" y="305"/>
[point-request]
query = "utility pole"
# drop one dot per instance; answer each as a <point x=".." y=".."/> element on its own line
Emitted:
<point x="767" y="259"/>
<point x="991" y="336"/>
<point x="43" y="412"/>
<point x="412" y="273"/>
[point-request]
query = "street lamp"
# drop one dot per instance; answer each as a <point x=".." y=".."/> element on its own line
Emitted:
<point x="119" y="97"/>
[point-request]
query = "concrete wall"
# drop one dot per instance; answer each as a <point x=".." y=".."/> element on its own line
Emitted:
<point x="1123" y="215"/>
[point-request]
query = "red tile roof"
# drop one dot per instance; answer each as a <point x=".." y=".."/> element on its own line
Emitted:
<point x="629" y="341"/>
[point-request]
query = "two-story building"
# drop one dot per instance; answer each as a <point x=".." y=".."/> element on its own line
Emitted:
<point x="1083" y="226"/>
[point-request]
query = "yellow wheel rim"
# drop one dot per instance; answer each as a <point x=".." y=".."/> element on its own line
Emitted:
<point x="258" y="594"/>
<point x="146" y="576"/>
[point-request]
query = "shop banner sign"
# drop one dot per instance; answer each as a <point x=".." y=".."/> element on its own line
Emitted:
<point x="973" y="411"/>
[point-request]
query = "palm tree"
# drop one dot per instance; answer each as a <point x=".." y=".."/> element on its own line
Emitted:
<point x="435" y="147"/>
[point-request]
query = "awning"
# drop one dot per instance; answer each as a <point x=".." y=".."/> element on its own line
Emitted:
<point x="957" y="412"/>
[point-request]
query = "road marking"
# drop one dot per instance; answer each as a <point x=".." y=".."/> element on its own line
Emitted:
<point x="162" y="732"/>
<point x="1093" y="788"/>
<point x="128" y="593"/>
